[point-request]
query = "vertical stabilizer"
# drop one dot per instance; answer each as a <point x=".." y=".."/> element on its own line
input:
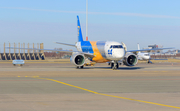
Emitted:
<point x="139" y="48"/>
<point x="80" y="38"/>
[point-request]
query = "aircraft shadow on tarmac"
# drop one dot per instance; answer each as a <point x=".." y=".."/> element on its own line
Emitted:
<point x="120" y="68"/>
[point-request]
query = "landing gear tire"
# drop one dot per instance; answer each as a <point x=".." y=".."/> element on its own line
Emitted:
<point x="149" y="62"/>
<point x="112" y="65"/>
<point x="79" y="67"/>
<point x="116" y="66"/>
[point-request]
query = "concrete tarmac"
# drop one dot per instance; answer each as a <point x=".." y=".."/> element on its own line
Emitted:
<point x="61" y="87"/>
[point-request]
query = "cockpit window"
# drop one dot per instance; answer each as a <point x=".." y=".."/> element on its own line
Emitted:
<point x="146" y="54"/>
<point x="116" y="46"/>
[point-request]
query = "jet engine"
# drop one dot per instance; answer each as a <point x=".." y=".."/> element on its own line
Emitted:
<point x="77" y="59"/>
<point x="130" y="59"/>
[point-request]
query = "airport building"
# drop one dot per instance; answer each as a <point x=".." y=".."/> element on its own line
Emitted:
<point x="22" y="54"/>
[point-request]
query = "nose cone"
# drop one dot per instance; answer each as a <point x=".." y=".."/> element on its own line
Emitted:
<point x="119" y="53"/>
<point x="146" y="57"/>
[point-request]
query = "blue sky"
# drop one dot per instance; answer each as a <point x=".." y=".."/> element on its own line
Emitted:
<point x="129" y="21"/>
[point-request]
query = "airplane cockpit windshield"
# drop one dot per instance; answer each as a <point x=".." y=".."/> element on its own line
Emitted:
<point x="146" y="54"/>
<point x="116" y="46"/>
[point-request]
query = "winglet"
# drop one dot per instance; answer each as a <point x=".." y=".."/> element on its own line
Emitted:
<point x="80" y="38"/>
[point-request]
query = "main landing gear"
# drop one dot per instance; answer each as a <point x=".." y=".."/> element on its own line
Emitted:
<point x="114" y="65"/>
<point x="79" y="67"/>
<point x="149" y="62"/>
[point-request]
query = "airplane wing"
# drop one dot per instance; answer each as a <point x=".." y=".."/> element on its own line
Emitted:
<point x="65" y="44"/>
<point x="149" y="49"/>
<point x="157" y="59"/>
<point x="55" y="50"/>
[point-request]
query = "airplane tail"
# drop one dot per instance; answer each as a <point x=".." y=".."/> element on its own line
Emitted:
<point x="80" y="37"/>
<point x="139" y="48"/>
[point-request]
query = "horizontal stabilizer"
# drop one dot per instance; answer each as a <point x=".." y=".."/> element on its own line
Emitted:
<point x="65" y="44"/>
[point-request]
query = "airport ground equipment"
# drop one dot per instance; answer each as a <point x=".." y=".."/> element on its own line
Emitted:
<point x="18" y="62"/>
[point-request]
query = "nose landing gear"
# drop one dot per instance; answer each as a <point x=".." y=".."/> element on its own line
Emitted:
<point x="114" y="65"/>
<point x="149" y="62"/>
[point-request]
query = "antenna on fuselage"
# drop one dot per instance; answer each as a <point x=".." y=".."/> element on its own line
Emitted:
<point x="86" y="20"/>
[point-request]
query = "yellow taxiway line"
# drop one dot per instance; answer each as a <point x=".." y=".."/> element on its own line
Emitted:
<point x="37" y="77"/>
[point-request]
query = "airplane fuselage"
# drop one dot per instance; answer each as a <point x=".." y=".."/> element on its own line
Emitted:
<point x="103" y="51"/>
<point x="143" y="56"/>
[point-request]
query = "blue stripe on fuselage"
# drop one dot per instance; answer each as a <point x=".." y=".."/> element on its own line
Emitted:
<point x="86" y="47"/>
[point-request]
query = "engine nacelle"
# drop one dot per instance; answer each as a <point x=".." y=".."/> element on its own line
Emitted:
<point x="77" y="59"/>
<point x="130" y="59"/>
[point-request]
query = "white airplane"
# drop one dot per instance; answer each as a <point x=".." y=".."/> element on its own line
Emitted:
<point x="98" y="51"/>
<point x="144" y="56"/>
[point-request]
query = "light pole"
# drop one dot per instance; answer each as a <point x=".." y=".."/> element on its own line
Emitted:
<point x="86" y="20"/>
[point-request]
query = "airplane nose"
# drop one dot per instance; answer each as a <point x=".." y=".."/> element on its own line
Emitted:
<point x="147" y="57"/>
<point x="119" y="53"/>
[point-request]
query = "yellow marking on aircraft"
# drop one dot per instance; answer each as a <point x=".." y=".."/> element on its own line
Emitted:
<point x="19" y="76"/>
<point x="108" y="94"/>
<point x="98" y="58"/>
